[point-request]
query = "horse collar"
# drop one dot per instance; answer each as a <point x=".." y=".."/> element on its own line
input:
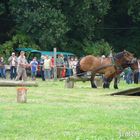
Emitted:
<point x="118" y="68"/>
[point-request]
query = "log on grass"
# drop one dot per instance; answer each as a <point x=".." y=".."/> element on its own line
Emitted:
<point x="129" y="92"/>
<point x="17" y="83"/>
<point x="76" y="79"/>
<point x="69" y="82"/>
<point x="22" y="95"/>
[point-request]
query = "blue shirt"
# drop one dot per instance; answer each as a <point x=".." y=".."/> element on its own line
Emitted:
<point x="34" y="66"/>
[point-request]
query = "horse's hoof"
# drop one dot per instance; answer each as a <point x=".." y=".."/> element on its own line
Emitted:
<point x="104" y="86"/>
<point x="94" y="87"/>
<point x="108" y="86"/>
<point x="116" y="88"/>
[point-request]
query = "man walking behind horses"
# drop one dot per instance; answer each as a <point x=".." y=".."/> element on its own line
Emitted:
<point x="21" y="67"/>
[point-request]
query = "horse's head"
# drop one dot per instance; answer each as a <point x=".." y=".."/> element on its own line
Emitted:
<point x="128" y="57"/>
<point x="124" y="58"/>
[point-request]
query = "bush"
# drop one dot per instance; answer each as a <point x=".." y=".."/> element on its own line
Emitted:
<point x="18" y="41"/>
<point x="98" y="48"/>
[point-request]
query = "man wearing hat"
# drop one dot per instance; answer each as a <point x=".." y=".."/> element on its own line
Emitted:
<point x="13" y="65"/>
<point x="21" y="67"/>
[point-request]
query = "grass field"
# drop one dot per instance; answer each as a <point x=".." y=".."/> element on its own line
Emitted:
<point x="53" y="112"/>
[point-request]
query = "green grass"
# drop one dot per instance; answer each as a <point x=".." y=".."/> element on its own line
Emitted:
<point x="53" y="112"/>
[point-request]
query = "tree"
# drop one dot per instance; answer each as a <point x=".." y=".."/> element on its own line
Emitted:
<point x="83" y="16"/>
<point x="6" y="22"/>
<point x="134" y="10"/>
<point x="17" y="41"/>
<point x="59" y="23"/>
<point x="45" y="24"/>
<point x="120" y="27"/>
<point x="98" y="48"/>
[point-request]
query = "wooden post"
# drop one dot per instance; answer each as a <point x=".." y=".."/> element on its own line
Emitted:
<point x="55" y="68"/>
<point x="69" y="83"/>
<point x="98" y="81"/>
<point x="22" y="95"/>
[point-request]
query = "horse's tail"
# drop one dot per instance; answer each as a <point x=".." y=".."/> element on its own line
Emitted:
<point x="79" y="72"/>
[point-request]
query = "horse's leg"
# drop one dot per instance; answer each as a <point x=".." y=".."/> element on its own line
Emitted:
<point x="116" y="82"/>
<point x="105" y="85"/>
<point x="108" y="77"/>
<point x="93" y="85"/>
<point x="107" y="82"/>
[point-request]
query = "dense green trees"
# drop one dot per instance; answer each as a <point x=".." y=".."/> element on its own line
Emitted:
<point x="122" y="26"/>
<point x="74" y="25"/>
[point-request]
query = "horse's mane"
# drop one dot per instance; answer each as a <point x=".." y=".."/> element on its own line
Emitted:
<point x="119" y="55"/>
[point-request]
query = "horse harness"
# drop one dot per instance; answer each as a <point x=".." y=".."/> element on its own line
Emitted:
<point x="119" y="69"/>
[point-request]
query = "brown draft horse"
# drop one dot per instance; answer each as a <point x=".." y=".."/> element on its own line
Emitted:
<point x="109" y="67"/>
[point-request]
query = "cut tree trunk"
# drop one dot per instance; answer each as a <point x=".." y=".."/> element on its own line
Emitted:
<point x="17" y="83"/>
<point x="22" y="95"/>
<point x="76" y="79"/>
<point x="69" y="84"/>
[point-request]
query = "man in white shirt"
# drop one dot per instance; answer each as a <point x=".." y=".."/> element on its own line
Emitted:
<point x="13" y="66"/>
<point x="47" y="67"/>
<point x="21" y="67"/>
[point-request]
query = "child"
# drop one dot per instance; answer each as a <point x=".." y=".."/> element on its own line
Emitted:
<point x="33" y="64"/>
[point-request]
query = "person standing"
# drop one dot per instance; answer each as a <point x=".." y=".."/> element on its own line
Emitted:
<point x="52" y="67"/>
<point x="74" y="65"/>
<point x="47" y="68"/>
<point x="60" y="65"/>
<point x="2" y="68"/>
<point x="138" y="71"/>
<point x="13" y="65"/>
<point x="21" y="67"/>
<point x="42" y="67"/>
<point x="33" y="65"/>
<point x="71" y="64"/>
<point x="129" y="75"/>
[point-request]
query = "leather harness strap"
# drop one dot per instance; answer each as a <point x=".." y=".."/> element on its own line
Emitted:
<point x="102" y="67"/>
<point x="119" y="69"/>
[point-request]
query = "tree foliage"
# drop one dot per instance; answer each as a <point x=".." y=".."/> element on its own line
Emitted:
<point x="71" y="25"/>
<point x="56" y="23"/>
<point x="98" y="48"/>
<point x="17" y="41"/>
<point x="45" y="24"/>
<point x="134" y="10"/>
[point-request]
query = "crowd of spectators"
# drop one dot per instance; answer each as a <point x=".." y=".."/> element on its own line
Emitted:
<point x="131" y="76"/>
<point x="65" y="67"/>
<point x="18" y="65"/>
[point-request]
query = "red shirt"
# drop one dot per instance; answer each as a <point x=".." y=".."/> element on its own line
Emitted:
<point x="52" y="62"/>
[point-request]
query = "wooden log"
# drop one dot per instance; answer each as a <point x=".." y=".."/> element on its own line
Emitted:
<point x="22" y="95"/>
<point x="76" y="79"/>
<point x="132" y="91"/>
<point x="98" y="81"/>
<point x="17" y="83"/>
<point x="69" y="84"/>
